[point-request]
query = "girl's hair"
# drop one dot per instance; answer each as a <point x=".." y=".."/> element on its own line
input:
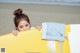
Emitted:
<point x="20" y="16"/>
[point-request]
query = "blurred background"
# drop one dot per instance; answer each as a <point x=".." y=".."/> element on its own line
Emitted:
<point x="61" y="11"/>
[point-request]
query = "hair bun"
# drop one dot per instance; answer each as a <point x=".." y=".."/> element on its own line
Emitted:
<point x="18" y="12"/>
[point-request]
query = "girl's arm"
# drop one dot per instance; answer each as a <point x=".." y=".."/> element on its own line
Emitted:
<point x="15" y="32"/>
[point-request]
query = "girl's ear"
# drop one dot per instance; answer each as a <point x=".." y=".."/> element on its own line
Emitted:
<point x="16" y="28"/>
<point x="30" y="26"/>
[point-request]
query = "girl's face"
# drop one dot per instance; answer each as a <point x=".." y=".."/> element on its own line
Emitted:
<point x="23" y="25"/>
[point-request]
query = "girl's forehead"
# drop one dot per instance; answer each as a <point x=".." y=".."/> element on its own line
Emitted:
<point x="23" y="22"/>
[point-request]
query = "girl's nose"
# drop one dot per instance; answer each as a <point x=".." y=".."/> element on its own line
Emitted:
<point x="24" y="28"/>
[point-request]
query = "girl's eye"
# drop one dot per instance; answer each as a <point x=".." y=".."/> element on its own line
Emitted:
<point x="26" y="24"/>
<point x="21" y="26"/>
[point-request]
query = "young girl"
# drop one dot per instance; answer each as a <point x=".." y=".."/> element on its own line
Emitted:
<point x="21" y="22"/>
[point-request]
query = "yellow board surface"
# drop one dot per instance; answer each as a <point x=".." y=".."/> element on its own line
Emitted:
<point x="26" y="42"/>
<point x="30" y="42"/>
<point x="65" y="48"/>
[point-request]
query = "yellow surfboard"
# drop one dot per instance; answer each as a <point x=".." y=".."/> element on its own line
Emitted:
<point x="26" y="42"/>
<point x="29" y="42"/>
<point x="64" y="48"/>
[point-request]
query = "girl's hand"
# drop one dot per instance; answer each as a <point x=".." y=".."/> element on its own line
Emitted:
<point x="15" y="32"/>
<point x="38" y="27"/>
